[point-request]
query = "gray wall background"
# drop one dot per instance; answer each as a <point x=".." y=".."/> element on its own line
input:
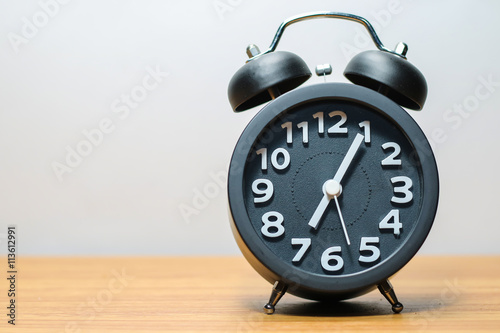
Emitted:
<point x="67" y="67"/>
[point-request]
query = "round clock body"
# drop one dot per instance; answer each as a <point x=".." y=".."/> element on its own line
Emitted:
<point x="279" y="174"/>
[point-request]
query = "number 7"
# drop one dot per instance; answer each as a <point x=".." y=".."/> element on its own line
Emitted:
<point x="305" y="242"/>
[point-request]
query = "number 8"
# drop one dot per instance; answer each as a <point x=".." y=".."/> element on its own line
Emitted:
<point x="268" y="224"/>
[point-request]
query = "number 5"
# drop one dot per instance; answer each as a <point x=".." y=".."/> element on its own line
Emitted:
<point x="364" y="246"/>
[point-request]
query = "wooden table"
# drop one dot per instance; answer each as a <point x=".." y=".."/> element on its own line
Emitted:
<point x="224" y="294"/>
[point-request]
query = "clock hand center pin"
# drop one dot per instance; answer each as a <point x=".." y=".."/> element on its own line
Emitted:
<point x="332" y="188"/>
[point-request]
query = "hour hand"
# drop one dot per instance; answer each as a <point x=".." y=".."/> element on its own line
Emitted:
<point x="318" y="213"/>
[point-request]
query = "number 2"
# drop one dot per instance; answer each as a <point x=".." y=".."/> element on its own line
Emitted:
<point x="337" y="127"/>
<point x="392" y="158"/>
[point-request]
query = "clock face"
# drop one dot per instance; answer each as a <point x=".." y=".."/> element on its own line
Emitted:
<point x="334" y="188"/>
<point x="371" y="215"/>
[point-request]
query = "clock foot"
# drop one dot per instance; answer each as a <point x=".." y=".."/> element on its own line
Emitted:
<point x="279" y="289"/>
<point x="388" y="291"/>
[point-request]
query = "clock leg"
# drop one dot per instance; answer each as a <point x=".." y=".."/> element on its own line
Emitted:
<point x="279" y="289"/>
<point x="388" y="291"/>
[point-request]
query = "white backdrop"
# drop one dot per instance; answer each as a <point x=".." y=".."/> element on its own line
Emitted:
<point x="114" y="116"/>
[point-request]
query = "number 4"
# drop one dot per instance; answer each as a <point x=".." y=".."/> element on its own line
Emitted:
<point x="395" y="225"/>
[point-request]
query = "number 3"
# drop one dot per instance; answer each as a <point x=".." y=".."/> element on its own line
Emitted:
<point x="405" y="189"/>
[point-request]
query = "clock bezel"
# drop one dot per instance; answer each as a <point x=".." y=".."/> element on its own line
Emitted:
<point x="316" y="286"/>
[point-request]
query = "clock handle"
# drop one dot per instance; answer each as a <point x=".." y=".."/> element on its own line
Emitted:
<point x="388" y="291"/>
<point x="279" y="289"/>
<point x="314" y="15"/>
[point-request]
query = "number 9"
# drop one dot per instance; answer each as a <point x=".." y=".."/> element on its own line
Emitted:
<point x="262" y="195"/>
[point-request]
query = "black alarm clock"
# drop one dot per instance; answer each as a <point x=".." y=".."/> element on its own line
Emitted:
<point x="332" y="187"/>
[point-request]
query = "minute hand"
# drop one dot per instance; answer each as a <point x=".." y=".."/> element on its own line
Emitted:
<point x="320" y="209"/>
<point x="348" y="158"/>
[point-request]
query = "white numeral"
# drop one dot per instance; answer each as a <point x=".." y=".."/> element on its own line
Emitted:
<point x="395" y="225"/>
<point x="365" y="125"/>
<point x="391" y="159"/>
<point x="288" y="126"/>
<point x="364" y="246"/>
<point x="265" y="193"/>
<point x="277" y="225"/>
<point x="405" y="189"/>
<point x="263" y="158"/>
<point x="274" y="158"/>
<point x="305" y="243"/>
<point x="336" y="128"/>
<point x="329" y="255"/>
<point x="321" y="122"/>
<point x="305" y="131"/>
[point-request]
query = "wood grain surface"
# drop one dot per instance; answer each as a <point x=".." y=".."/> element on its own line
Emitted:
<point x="224" y="294"/>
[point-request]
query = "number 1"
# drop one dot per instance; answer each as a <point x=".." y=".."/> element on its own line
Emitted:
<point x="263" y="162"/>
<point x="288" y="126"/>
<point x="366" y="126"/>
<point x="321" y="122"/>
<point x="305" y="132"/>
